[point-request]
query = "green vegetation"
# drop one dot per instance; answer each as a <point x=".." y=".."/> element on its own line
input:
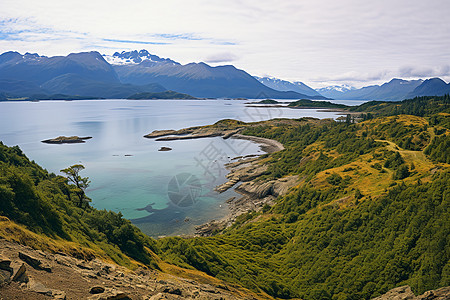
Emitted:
<point x="439" y="149"/>
<point x="161" y="95"/>
<point x="305" y="103"/>
<point x="419" y="106"/>
<point x="81" y="183"/>
<point x="46" y="204"/>
<point x="357" y="253"/>
<point x="370" y="213"/>
<point x="298" y="158"/>
<point x="268" y="101"/>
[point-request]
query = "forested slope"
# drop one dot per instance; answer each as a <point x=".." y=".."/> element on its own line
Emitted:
<point x="370" y="212"/>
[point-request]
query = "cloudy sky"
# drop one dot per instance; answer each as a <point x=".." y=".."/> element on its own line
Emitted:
<point x="319" y="42"/>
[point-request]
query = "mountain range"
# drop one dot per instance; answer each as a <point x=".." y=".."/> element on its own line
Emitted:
<point x="196" y="79"/>
<point x="284" y="85"/>
<point x="90" y="74"/>
<point x="85" y="74"/>
<point x="394" y="90"/>
<point x="124" y="74"/>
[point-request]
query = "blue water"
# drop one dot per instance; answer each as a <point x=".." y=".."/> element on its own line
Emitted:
<point x="127" y="172"/>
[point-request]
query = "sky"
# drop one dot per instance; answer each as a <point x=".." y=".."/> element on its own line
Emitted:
<point x="318" y="42"/>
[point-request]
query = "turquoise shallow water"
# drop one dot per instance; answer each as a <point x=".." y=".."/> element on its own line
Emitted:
<point x="127" y="172"/>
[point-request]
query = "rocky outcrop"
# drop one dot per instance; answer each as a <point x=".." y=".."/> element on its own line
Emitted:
<point x="165" y="149"/>
<point x="160" y="133"/>
<point x="18" y="272"/>
<point x="255" y="193"/>
<point x="110" y="294"/>
<point x="40" y="288"/>
<point x="94" y="279"/>
<point x="67" y="140"/>
<point x="193" y="133"/>
<point x="35" y="262"/>
<point x="405" y="293"/>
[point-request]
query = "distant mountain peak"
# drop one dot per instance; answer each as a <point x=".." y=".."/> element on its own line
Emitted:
<point x="431" y="87"/>
<point x="285" y="85"/>
<point x="403" y="81"/>
<point x="338" y="88"/>
<point x="135" y="57"/>
<point x="435" y="79"/>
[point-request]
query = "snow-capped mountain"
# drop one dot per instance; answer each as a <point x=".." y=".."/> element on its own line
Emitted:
<point x="335" y="91"/>
<point x="394" y="90"/>
<point x="341" y="88"/>
<point x="135" y="57"/>
<point x="284" y="85"/>
<point x="83" y="74"/>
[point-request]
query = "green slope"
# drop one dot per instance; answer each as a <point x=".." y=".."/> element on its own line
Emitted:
<point x="370" y="213"/>
<point x="46" y="204"/>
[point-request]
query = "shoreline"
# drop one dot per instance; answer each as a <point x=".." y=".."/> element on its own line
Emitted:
<point x="242" y="172"/>
<point x="267" y="145"/>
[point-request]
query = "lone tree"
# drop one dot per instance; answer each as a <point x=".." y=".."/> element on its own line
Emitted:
<point x="81" y="183"/>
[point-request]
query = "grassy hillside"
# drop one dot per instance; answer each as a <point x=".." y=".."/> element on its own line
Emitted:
<point x="370" y="213"/>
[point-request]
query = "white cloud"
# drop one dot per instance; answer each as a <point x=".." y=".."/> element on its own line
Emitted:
<point x="222" y="57"/>
<point x="291" y="39"/>
<point x="415" y="71"/>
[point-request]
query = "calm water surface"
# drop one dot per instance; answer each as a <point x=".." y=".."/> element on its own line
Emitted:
<point x="127" y="172"/>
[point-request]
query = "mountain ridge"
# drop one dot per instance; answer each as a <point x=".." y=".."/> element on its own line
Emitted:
<point x="284" y="85"/>
<point x="128" y="72"/>
<point x="394" y="90"/>
<point x="35" y="74"/>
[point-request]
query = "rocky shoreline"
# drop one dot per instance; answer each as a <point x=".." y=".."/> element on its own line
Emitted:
<point x="242" y="173"/>
<point x="254" y="193"/>
<point x="267" y="145"/>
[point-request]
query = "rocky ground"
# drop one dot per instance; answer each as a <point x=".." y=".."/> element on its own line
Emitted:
<point x="405" y="293"/>
<point x="32" y="274"/>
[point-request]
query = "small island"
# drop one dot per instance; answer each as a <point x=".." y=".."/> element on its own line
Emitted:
<point x="162" y="95"/>
<point x="268" y="101"/>
<point x="67" y="140"/>
<point x="165" y="149"/>
<point x="300" y="104"/>
<point x="306" y="103"/>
